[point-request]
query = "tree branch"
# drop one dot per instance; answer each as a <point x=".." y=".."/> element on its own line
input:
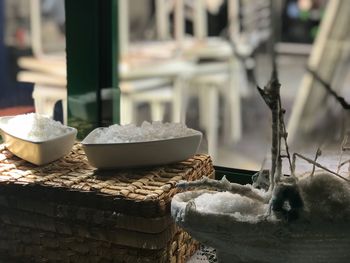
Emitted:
<point x="318" y="165"/>
<point x="327" y="86"/>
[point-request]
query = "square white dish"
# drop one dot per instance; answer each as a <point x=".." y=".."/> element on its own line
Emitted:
<point x="38" y="152"/>
<point x="139" y="154"/>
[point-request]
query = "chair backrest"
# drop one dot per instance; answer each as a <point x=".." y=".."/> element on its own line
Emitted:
<point x="35" y="28"/>
<point x="163" y="8"/>
<point x="249" y="22"/>
<point x="162" y="19"/>
<point x="36" y="34"/>
<point x="329" y="52"/>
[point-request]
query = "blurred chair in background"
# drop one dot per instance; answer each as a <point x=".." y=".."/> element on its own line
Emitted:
<point x="220" y="68"/>
<point x="162" y="71"/>
<point x="46" y="70"/>
<point x="155" y="68"/>
<point x="329" y="52"/>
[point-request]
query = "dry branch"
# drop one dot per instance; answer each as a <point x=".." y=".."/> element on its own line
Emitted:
<point x="272" y="98"/>
<point x="327" y="86"/>
<point x="318" y="165"/>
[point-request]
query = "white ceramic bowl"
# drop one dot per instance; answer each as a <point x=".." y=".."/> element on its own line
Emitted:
<point x="138" y="154"/>
<point x="38" y="152"/>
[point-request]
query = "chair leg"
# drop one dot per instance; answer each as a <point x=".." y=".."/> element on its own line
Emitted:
<point x="43" y="105"/>
<point x="157" y="110"/>
<point x="180" y="100"/>
<point x="127" y="110"/>
<point x="38" y="102"/>
<point x="203" y="106"/>
<point x="213" y="123"/>
<point x="65" y="111"/>
<point x="45" y="99"/>
<point x="235" y="101"/>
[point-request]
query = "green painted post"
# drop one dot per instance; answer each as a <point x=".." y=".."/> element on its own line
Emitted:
<point x="115" y="68"/>
<point x="91" y="63"/>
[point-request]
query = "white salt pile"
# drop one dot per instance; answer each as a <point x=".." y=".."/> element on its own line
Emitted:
<point x="241" y="207"/>
<point x="34" y="127"/>
<point x="146" y="132"/>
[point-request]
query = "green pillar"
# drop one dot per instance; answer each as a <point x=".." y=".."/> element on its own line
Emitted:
<point x="91" y="42"/>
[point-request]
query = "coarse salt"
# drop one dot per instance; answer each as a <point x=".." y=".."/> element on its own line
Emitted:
<point x="34" y="127"/>
<point x="242" y="207"/>
<point x="146" y="132"/>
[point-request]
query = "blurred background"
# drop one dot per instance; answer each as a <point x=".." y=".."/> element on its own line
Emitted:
<point x="194" y="61"/>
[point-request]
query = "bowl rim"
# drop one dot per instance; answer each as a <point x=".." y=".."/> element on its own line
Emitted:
<point x="84" y="143"/>
<point x="71" y="131"/>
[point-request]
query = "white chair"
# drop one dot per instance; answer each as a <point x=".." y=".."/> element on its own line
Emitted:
<point x="227" y="78"/>
<point x="210" y="80"/>
<point x="48" y="89"/>
<point x="48" y="73"/>
<point x="157" y="92"/>
<point x="158" y="83"/>
<point x="329" y="51"/>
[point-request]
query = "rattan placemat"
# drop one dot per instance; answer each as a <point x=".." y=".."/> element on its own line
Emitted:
<point x="143" y="192"/>
<point x="70" y="208"/>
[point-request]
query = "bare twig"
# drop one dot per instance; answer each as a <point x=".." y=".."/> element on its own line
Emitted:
<point x="341" y="100"/>
<point x="342" y="164"/>
<point x="342" y="149"/>
<point x="318" y="165"/>
<point x="270" y="95"/>
<point x="285" y="136"/>
<point x="327" y="86"/>
<point x="272" y="98"/>
<point x="318" y="153"/>
<point x="261" y="179"/>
